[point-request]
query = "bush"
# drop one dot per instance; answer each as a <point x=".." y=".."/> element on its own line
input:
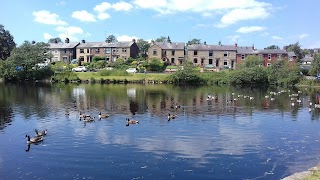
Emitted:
<point x="253" y="75"/>
<point x="116" y="72"/>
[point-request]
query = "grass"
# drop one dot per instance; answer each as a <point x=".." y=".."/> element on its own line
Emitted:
<point x="129" y="77"/>
<point x="314" y="176"/>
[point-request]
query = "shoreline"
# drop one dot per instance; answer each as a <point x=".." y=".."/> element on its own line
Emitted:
<point x="304" y="174"/>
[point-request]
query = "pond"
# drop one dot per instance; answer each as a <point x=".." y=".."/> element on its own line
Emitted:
<point x="238" y="133"/>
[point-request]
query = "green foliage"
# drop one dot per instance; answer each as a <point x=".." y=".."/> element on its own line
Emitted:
<point x="111" y="39"/>
<point x="97" y="64"/>
<point x="55" y="40"/>
<point x="272" y="47"/>
<point x="315" y="65"/>
<point x="7" y="43"/>
<point x="251" y="61"/>
<point x="249" y="75"/>
<point x="283" y="73"/>
<point x="60" y="66"/>
<point x="186" y="75"/>
<point x="65" y="76"/>
<point x="143" y="46"/>
<point x="195" y="41"/>
<point x="161" y="39"/>
<point x="296" y="48"/>
<point x="155" y="65"/>
<point x="116" y="72"/>
<point x="97" y="58"/>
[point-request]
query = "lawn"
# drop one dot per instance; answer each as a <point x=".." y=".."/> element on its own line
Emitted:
<point x="130" y="77"/>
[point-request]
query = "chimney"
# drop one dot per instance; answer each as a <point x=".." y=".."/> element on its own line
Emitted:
<point x="134" y="40"/>
<point x="33" y="42"/>
<point x="219" y="43"/>
<point x="236" y="45"/>
<point x="83" y="41"/>
<point x="169" y="40"/>
<point x="252" y="47"/>
<point x="67" y="40"/>
<point x="205" y="43"/>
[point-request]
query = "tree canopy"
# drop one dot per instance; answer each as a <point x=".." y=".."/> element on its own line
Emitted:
<point x="272" y="47"/>
<point x="7" y="43"/>
<point x="195" y="41"/>
<point x="315" y="65"/>
<point x="251" y="61"/>
<point x="296" y="48"/>
<point x="161" y="39"/>
<point x="55" y="40"/>
<point x="143" y="46"/>
<point x="111" y="39"/>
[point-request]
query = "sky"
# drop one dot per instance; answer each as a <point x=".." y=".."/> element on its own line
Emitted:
<point x="246" y="22"/>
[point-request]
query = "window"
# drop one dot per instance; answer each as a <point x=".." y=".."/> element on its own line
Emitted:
<point x="81" y="50"/>
<point x="124" y="57"/>
<point x="210" y="53"/>
<point x="243" y="56"/>
<point x="65" y="50"/>
<point x="269" y="56"/>
<point x="172" y="60"/>
<point x="225" y="63"/>
<point x="57" y="51"/>
<point x="81" y="58"/>
<point x="225" y="54"/>
<point x="173" y="52"/>
<point x="268" y="64"/>
<point x="88" y="50"/>
<point x="107" y="58"/>
<point x="195" y="60"/>
<point x="65" y="59"/>
<point x="279" y="56"/>
<point x="210" y="61"/>
<point x="98" y="50"/>
<point x="124" y="50"/>
<point x="195" y="53"/>
<point x="154" y="52"/>
<point x="107" y="51"/>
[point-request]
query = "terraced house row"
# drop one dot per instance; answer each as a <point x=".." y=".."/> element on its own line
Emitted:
<point x="175" y="53"/>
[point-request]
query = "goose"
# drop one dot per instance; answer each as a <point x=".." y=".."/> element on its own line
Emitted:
<point x="40" y="133"/>
<point x="178" y="106"/>
<point x="88" y="119"/>
<point x="103" y="116"/>
<point x="171" y="116"/>
<point x="132" y="121"/>
<point x="251" y="98"/>
<point x="84" y="115"/>
<point x="35" y="139"/>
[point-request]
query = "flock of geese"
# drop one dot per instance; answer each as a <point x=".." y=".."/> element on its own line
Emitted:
<point x="37" y="138"/>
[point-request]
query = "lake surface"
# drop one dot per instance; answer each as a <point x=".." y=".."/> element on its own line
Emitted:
<point x="209" y="139"/>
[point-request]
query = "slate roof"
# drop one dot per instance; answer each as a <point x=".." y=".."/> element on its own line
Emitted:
<point x="291" y="54"/>
<point x="123" y="44"/>
<point x="271" y="51"/>
<point x="245" y="50"/>
<point x="173" y="45"/>
<point x="63" y="45"/>
<point x="307" y="59"/>
<point x="205" y="47"/>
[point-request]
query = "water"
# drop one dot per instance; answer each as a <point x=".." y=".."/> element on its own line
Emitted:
<point x="241" y="139"/>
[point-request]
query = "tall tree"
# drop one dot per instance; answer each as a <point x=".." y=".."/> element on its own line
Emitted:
<point x="251" y="61"/>
<point x="143" y="46"/>
<point x="161" y="39"/>
<point x="272" y="47"/>
<point x="296" y="48"/>
<point x="55" y="40"/>
<point x="111" y="39"/>
<point x="7" y="43"/>
<point x="195" y="41"/>
<point x="315" y="65"/>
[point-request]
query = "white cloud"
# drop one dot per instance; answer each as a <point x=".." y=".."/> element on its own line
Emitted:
<point x="83" y="16"/>
<point x="71" y="32"/>
<point x="236" y="15"/>
<point x="276" y="38"/>
<point x="47" y="36"/>
<point x="102" y="7"/>
<point x="103" y="16"/>
<point x="249" y="29"/>
<point x="46" y="17"/>
<point x="126" y="38"/>
<point x="234" y="38"/>
<point x="122" y="6"/>
<point x="304" y="35"/>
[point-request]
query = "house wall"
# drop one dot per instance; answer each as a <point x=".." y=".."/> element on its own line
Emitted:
<point x="158" y="52"/>
<point x="218" y="58"/>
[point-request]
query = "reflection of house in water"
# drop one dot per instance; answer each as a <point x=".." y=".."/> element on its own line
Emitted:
<point x="79" y="93"/>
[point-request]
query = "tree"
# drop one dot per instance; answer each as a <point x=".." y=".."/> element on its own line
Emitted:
<point x="296" y="48"/>
<point x="55" y="40"/>
<point x="23" y="59"/>
<point x="195" y="41"/>
<point x="251" y="61"/>
<point x="6" y="43"/>
<point x="143" y="46"/>
<point x="283" y="73"/>
<point x="111" y="39"/>
<point x="161" y="39"/>
<point x="272" y="47"/>
<point x="315" y="65"/>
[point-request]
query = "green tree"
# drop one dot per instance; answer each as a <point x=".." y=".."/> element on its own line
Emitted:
<point x="143" y="46"/>
<point x="195" y="41"/>
<point x="111" y="39"/>
<point x="296" y="48"/>
<point x="315" y="65"/>
<point x="272" y="47"/>
<point x="161" y="39"/>
<point x="251" y="61"/>
<point x="23" y="59"/>
<point x="7" y="43"/>
<point x="55" y="40"/>
<point x="283" y="72"/>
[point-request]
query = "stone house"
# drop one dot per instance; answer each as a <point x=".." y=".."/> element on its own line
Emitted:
<point x="65" y="52"/>
<point x="171" y="52"/>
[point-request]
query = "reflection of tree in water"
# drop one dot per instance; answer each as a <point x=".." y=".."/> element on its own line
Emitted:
<point x="5" y="115"/>
<point x="134" y="107"/>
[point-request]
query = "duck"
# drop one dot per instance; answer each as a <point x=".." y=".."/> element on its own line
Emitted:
<point x="35" y="139"/>
<point x="131" y="121"/>
<point x="103" y="116"/>
<point x="84" y="115"/>
<point x="40" y="133"/>
<point x="170" y="117"/>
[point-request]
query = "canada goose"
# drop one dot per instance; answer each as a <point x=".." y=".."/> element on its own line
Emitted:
<point x="102" y="116"/>
<point x="171" y="116"/>
<point x="132" y="121"/>
<point x="40" y="133"/>
<point x="251" y="98"/>
<point x="34" y="139"/>
<point x="177" y="106"/>
<point x="88" y="119"/>
<point x="84" y="115"/>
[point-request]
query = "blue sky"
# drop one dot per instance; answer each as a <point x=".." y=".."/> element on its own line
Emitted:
<point x="247" y="22"/>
